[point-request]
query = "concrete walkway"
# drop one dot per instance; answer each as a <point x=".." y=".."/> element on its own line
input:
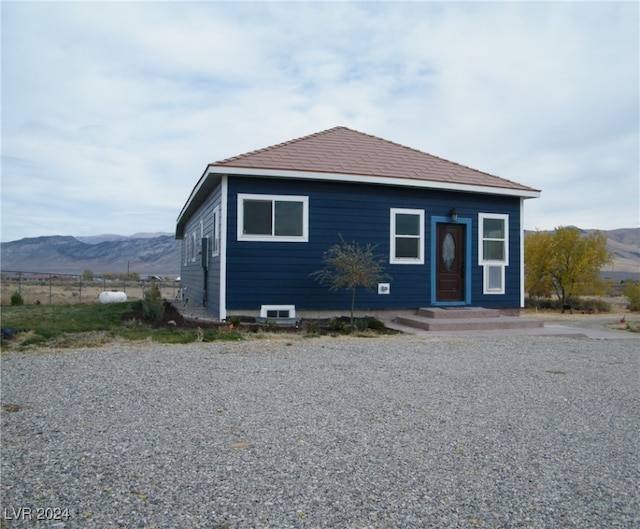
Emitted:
<point x="573" y="325"/>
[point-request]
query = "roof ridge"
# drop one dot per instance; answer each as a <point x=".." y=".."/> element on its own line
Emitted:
<point x="278" y="145"/>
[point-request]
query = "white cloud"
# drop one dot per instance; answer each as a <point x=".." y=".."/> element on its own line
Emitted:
<point x="114" y="108"/>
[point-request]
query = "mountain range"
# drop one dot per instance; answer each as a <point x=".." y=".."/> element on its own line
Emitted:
<point x="144" y="253"/>
<point x="159" y="254"/>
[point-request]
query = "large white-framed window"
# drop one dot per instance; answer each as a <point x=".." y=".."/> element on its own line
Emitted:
<point x="407" y="236"/>
<point x="493" y="250"/>
<point x="215" y="238"/>
<point x="276" y="218"/>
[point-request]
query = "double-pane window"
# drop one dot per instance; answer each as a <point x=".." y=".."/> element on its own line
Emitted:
<point x="407" y="236"/>
<point x="275" y="218"/>
<point x="493" y="251"/>
<point x="493" y="239"/>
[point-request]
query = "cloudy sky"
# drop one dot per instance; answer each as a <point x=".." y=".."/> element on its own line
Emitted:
<point x="112" y="110"/>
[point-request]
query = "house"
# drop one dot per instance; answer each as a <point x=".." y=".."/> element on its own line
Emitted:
<point x="257" y="225"/>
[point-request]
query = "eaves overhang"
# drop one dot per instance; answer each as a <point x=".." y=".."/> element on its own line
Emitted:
<point x="396" y="181"/>
<point x="205" y="185"/>
<point x="212" y="175"/>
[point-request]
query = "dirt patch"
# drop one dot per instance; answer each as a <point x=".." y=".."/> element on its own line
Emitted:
<point x="340" y="325"/>
<point x="170" y="318"/>
<point x="11" y="408"/>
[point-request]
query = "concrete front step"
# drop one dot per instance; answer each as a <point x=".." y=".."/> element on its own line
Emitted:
<point x="469" y="322"/>
<point x="452" y="313"/>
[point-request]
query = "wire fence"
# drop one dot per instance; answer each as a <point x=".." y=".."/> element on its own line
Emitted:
<point x="50" y="288"/>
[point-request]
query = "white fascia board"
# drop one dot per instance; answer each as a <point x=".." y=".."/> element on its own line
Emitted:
<point x="196" y="191"/>
<point x="371" y="179"/>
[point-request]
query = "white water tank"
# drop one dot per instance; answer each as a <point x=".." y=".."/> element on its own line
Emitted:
<point x="112" y="297"/>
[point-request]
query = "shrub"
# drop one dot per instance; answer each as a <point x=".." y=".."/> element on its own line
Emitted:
<point x="153" y="304"/>
<point x="313" y="327"/>
<point x="591" y="305"/>
<point x="376" y="325"/>
<point x="542" y="303"/>
<point x="631" y="291"/>
<point x="576" y="304"/>
<point x="16" y="299"/>
<point x="337" y="325"/>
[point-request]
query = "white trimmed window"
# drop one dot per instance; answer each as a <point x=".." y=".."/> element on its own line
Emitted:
<point x="493" y="250"/>
<point x="199" y="252"/>
<point x="493" y="279"/>
<point x="192" y="249"/>
<point x="215" y="239"/>
<point x="407" y="236"/>
<point x="277" y="218"/>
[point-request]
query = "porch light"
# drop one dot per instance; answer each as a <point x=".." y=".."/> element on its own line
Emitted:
<point x="454" y="215"/>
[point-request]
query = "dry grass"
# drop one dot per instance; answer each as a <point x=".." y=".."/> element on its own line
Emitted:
<point x="59" y="291"/>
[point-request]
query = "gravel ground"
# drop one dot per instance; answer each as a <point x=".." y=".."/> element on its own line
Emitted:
<point x="391" y="432"/>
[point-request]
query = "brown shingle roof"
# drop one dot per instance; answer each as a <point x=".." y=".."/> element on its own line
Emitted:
<point x="341" y="150"/>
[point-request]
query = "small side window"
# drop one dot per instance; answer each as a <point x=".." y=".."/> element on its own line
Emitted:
<point x="193" y="247"/>
<point x="215" y="238"/>
<point x="493" y="279"/>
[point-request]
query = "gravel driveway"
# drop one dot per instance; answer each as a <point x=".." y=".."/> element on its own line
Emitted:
<point x="391" y="432"/>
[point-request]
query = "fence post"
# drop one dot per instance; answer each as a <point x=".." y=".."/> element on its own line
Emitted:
<point x="80" y="300"/>
<point x="49" y="289"/>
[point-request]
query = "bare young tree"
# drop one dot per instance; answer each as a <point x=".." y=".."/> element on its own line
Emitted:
<point x="349" y="266"/>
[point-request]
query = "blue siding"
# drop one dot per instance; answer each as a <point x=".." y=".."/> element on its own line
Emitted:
<point x="192" y="273"/>
<point x="278" y="272"/>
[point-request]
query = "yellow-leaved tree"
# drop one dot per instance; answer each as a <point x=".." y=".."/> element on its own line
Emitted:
<point x="565" y="262"/>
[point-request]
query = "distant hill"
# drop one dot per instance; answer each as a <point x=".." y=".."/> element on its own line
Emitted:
<point x="145" y="254"/>
<point x="624" y="245"/>
<point x="159" y="254"/>
<point x="95" y="239"/>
